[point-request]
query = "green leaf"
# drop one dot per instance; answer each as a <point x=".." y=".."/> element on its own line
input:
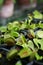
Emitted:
<point x="31" y="45"/>
<point x="41" y="25"/>
<point x="21" y="40"/>
<point x="33" y="26"/>
<point x="38" y="57"/>
<point x="16" y="23"/>
<point x="9" y="40"/>
<point x="3" y="29"/>
<point x="39" y="41"/>
<point x="30" y="18"/>
<point x="14" y="34"/>
<point x="18" y="63"/>
<point x="41" y="44"/>
<point x="14" y="26"/>
<point x="23" y="26"/>
<point x="37" y="14"/>
<point x="39" y="34"/>
<point x="32" y="33"/>
<point x="25" y="52"/>
<point x="10" y="26"/>
<point x="24" y="45"/>
<point x="11" y="53"/>
<point x="36" y="42"/>
<point x="8" y="36"/>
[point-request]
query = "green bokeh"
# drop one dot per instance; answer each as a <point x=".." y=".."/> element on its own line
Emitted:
<point x="39" y="1"/>
<point x="1" y="2"/>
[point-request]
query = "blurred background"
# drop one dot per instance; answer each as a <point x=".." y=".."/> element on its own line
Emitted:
<point x="11" y="10"/>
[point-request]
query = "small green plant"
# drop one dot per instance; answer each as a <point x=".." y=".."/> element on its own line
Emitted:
<point x="26" y="35"/>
